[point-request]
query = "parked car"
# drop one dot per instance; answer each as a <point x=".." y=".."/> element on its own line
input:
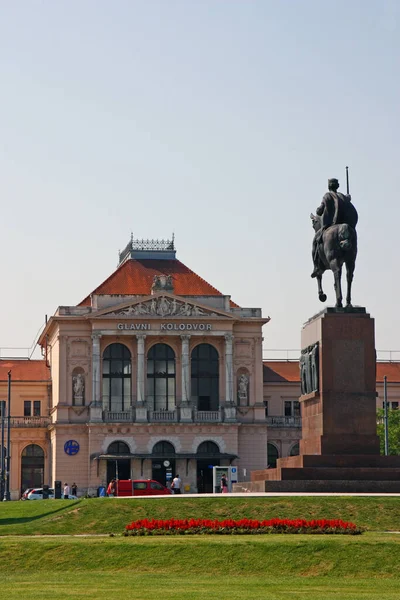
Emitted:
<point x="24" y="496"/>
<point x="37" y="494"/>
<point x="141" y="487"/>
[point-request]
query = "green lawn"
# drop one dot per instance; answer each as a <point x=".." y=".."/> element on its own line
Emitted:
<point x="110" y="515"/>
<point x="276" y="567"/>
<point x="272" y="566"/>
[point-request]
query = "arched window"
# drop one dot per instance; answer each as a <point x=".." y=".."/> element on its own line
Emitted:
<point x="209" y="448"/>
<point x="118" y="448"/>
<point x="32" y="467"/>
<point x="116" y="378"/>
<point x="163" y="448"/>
<point x="205" y="377"/>
<point x="273" y="455"/>
<point x="161" y="377"/>
<point x="295" y="450"/>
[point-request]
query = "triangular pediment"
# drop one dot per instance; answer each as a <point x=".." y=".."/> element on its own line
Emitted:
<point x="160" y="306"/>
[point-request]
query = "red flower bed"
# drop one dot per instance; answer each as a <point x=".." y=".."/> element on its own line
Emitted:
<point x="242" y="526"/>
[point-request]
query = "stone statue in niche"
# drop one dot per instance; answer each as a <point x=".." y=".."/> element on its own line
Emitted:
<point x="78" y="385"/>
<point x="309" y="369"/>
<point x="243" y="389"/>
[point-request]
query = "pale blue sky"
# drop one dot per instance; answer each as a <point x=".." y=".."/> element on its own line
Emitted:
<point x="218" y="120"/>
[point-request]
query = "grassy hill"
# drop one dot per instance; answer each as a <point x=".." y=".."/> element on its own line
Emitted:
<point x="39" y="562"/>
<point x="110" y="515"/>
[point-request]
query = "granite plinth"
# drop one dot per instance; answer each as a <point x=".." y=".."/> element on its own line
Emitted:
<point x="339" y="449"/>
<point x="327" y="486"/>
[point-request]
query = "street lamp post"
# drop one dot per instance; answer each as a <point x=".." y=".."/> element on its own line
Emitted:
<point x="8" y="450"/>
<point x="2" y="456"/>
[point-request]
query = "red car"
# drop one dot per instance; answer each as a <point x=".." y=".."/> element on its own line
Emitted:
<point x="141" y="487"/>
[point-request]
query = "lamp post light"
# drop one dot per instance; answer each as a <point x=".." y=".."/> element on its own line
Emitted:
<point x="6" y="497"/>
<point x="2" y="453"/>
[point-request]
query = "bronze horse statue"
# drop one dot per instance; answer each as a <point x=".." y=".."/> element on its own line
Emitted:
<point x="337" y="246"/>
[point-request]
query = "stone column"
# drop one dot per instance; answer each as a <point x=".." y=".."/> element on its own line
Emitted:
<point x="229" y="368"/>
<point x="96" y="408"/>
<point x="230" y="409"/>
<point x="185" y="369"/>
<point x="140" y="398"/>
<point x="185" y="408"/>
<point x="96" y="369"/>
<point x="141" y="409"/>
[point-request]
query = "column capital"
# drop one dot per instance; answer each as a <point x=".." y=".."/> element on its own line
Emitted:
<point x="140" y="336"/>
<point x="185" y="338"/>
<point x="96" y="336"/>
<point x="229" y="337"/>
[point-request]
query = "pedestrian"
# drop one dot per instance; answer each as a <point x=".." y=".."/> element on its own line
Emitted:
<point x="176" y="484"/>
<point x="66" y="491"/>
<point x="74" y="489"/>
<point x="111" y="488"/>
<point x="224" y="484"/>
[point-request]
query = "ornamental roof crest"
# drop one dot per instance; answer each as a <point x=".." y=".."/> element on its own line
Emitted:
<point x="163" y="306"/>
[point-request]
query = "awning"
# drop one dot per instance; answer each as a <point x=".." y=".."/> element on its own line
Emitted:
<point x="184" y="455"/>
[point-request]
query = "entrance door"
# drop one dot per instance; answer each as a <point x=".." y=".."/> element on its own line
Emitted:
<point x="163" y="472"/>
<point x="32" y="467"/>
<point x="205" y="475"/>
<point x="120" y="468"/>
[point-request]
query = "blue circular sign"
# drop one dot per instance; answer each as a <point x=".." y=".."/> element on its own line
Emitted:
<point x="71" y="447"/>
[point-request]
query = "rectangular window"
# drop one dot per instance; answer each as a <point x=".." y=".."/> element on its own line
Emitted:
<point x="27" y="408"/>
<point x="395" y="406"/>
<point x="288" y="408"/>
<point x="296" y="408"/>
<point x="36" y="408"/>
<point x="266" y="407"/>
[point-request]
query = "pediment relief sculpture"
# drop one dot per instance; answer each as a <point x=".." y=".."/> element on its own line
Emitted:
<point x="163" y="306"/>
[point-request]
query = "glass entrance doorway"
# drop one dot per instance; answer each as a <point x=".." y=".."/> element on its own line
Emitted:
<point x="163" y="463"/>
<point x="163" y="472"/>
<point x="208" y="457"/>
<point x="205" y="475"/>
<point x="120" y="468"/>
<point x="32" y="467"/>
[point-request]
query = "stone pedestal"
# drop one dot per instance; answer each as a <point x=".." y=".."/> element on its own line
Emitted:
<point x="141" y="414"/>
<point x="339" y="449"/>
<point x="186" y="413"/>
<point x="340" y="416"/>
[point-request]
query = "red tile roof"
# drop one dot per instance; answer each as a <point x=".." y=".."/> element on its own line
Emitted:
<point x="390" y="369"/>
<point x="24" y="370"/>
<point x="275" y="371"/>
<point x="289" y="371"/>
<point x="136" y="277"/>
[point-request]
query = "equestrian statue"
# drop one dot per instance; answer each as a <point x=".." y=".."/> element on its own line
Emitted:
<point x="335" y="240"/>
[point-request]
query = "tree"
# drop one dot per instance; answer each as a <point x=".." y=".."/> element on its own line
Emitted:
<point x="394" y="430"/>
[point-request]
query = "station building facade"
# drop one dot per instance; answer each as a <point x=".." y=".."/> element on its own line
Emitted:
<point x="154" y="373"/>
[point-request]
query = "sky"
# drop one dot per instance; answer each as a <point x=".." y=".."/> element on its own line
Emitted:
<point x="218" y="120"/>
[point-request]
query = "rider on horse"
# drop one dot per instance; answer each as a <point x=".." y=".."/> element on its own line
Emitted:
<point x="335" y="209"/>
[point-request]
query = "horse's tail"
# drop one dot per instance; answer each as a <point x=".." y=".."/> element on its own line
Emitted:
<point x="345" y="236"/>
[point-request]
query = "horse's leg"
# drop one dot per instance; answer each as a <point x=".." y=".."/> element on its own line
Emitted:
<point x="349" y="275"/>
<point x="321" y="294"/>
<point x="337" y="273"/>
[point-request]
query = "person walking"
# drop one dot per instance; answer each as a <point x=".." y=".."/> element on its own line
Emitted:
<point x="66" y="491"/>
<point x="224" y="484"/>
<point x="74" y="489"/>
<point x="176" y="484"/>
<point x="111" y="488"/>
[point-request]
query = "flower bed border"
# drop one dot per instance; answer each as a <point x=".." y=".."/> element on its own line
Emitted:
<point x="239" y="527"/>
